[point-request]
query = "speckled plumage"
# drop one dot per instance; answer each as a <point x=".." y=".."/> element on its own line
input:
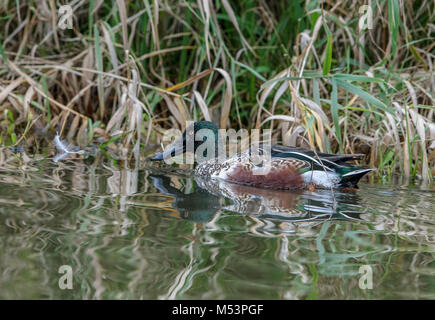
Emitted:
<point x="277" y="173"/>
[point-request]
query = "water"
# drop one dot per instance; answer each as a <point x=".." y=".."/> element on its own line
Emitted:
<point x="136" y="234"/>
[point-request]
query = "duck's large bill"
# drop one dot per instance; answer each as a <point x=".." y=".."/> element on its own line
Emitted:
<point x="175" y="149"/>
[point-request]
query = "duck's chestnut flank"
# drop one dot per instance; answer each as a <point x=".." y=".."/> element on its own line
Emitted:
<point x="277" y="178"/>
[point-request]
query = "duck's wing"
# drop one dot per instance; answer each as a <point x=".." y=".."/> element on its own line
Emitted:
<point x="288" y="152"/>
<point x="349" y="173"/>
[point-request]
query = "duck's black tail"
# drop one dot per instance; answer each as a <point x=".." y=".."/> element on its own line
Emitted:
<point x="350" y="178"/>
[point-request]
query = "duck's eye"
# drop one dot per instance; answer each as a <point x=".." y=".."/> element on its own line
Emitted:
<point x="190" y="133"/>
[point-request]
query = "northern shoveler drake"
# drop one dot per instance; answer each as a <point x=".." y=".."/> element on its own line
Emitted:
<point x="288" y="167"/>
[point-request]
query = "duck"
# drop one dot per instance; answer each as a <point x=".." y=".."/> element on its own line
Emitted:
<point x="264" y="166"/>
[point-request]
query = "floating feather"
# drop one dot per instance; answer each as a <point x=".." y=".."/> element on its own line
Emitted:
<point x="64" y="148"/>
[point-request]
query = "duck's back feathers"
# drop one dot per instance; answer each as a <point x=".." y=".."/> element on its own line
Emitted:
<point x="286" y="151"/>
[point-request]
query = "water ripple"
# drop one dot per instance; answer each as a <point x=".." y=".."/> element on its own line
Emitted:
<point x="137" y="234"/>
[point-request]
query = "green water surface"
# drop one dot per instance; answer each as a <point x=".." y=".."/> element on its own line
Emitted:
<point x="137" y="234"/>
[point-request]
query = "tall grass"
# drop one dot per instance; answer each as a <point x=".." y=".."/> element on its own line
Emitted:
<point x="130" y="69"/>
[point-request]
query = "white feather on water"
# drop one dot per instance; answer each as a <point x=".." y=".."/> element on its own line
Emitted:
<point x="64" y="148"/>
<point x="60" y="145"/>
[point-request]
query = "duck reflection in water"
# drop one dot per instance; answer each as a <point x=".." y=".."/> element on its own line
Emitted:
<point x="210" y="196"/>
<point x="198" y="206"/>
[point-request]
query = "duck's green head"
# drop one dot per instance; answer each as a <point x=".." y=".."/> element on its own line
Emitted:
<point x="200" y="138"/>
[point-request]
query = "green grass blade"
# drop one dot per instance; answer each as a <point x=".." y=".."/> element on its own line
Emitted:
<point x="99" y="59"/>
<point x="334" y="112"/>
<point x="364" y="95"/>
<point x="328" y="57"/>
